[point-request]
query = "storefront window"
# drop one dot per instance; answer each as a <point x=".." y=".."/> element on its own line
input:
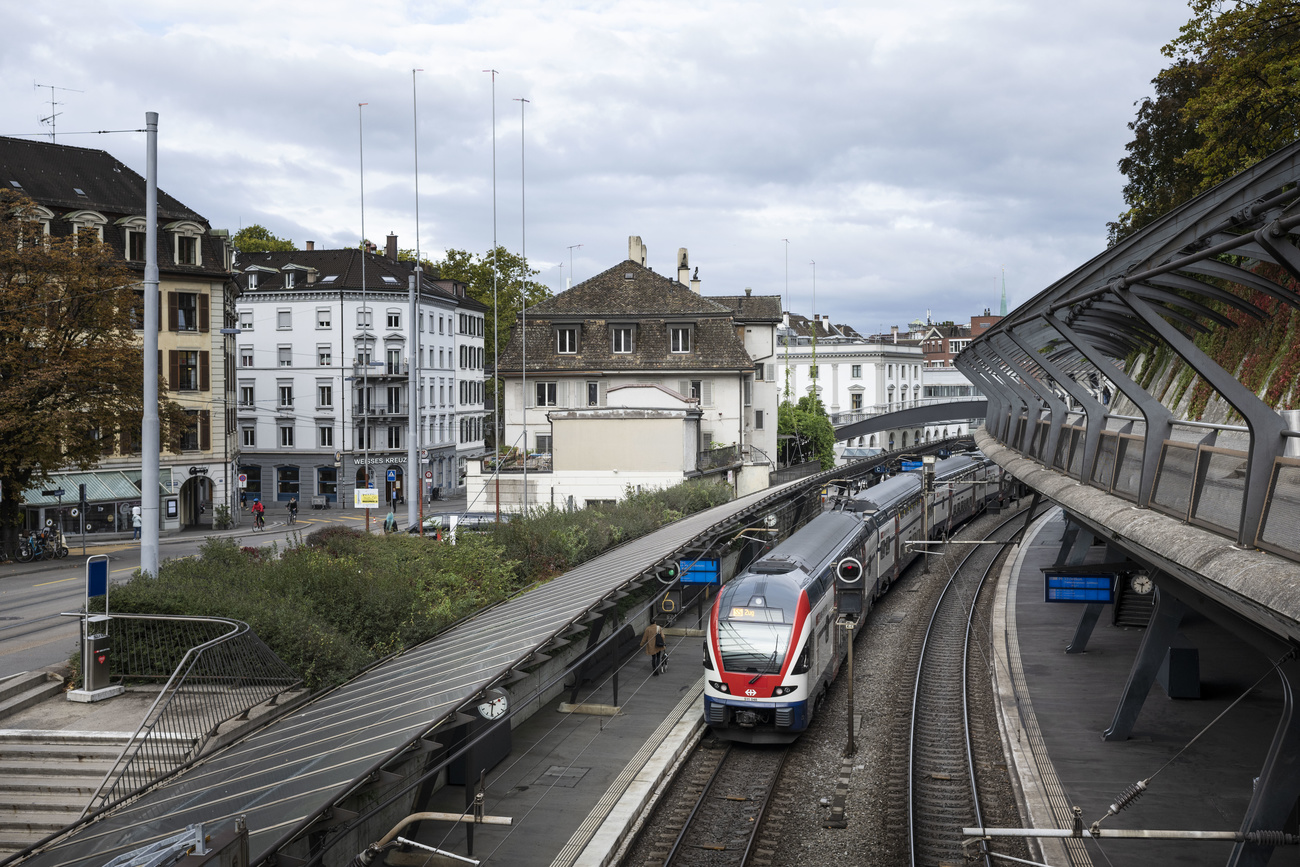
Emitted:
<point x="286" y="482"/>
<point x="327" y="484"/>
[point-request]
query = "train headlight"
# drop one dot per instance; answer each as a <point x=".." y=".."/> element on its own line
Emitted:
<point x="719" y="686"/>
<point x="783" y="690"/>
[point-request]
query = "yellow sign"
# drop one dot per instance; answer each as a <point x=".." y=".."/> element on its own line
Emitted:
<point x="743" y="613"/>
<point x="365" y="498"/>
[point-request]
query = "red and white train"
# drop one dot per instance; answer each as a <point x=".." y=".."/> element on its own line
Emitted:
<point x="772" y="647"/>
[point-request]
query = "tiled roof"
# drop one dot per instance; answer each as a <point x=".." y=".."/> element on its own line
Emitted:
<point x="752" y="308"/>
<point x="67" y="179"/>
<point x="715" y="346"/>
<point x="630" y="290"/>
<point x="341" y="269"/>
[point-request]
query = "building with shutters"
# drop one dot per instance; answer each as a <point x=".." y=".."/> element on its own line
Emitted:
<point x="630" y="326"/>
<point x="323" y="367"/>
<point x="80" y="189"/>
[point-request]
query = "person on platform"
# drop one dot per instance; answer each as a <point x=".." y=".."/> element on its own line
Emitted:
<point x="652" y="642"/>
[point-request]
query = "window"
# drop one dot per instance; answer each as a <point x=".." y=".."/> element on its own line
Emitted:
<point x="190" y="439"/>
<point x="394" y="319"/>
<point x="324" y="355"/>
<point x="253" y="487"/>
<point x="284" y="320"/>
<point x="286" y="436"/>
<point x="286" y="395"/>
<point x="288" y="279"/>
<point x="891" y="371"/>
<point x="758" y="419"/>
<point x="285" y="356"/>
<point x="855" y="372"/>
<point x="187" y="311"/>
<point x="394" y="361"/>
<point x="324" y="395"/>
<point x="135" y="239"/>
<point x="245" y="356"/>
<point x="679" y="338"/>
<point x="440" y="323"/>
<point x="325" y="436"/>
<point x="593" y="394"/>
<point x="249" y="437"/>
<point x="245" y="395"/>
<point x="188" y="368"/>
<point x="855" y="402"/>
<point x="545" y="393"/>
<point x="187" y="250"/>
<point x="327" y="481"/>
<point x="286" y="481"/>
<point x="252" y="281"/>
<point x="363" y="319"/>
<point x="622" y="338"/>
<point x="245" y="320"/>
<point x="394" y="399"/>
<point x="544" y="443"/>
<point x="394" y="436"/>
<point x="566" y="340"/>
<point x="323" y="318"/>
<point x="749" y="391"/>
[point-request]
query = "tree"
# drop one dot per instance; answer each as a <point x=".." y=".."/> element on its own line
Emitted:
<point x="71" y="367"/>
<point x="258" y="239"/>
<point x="1230" y="98"/>
<point x="514" y="285"/>
<point x="811" y="436"/>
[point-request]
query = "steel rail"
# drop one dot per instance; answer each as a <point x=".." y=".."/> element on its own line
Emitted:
<point x="916" y="693"/>
<point x="690" y="817"/>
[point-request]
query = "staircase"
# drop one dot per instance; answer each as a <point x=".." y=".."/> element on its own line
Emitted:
<point x="24" y="690"/>
<point x="46" y="780"/>
<point x="1132" y="608"/>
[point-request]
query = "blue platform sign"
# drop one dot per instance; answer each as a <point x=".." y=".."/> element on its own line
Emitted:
<point x="911" y="465"/>
<point x="1064" y="586"/>
<point x="96" y="578"/>
<point x="392" y="475"/>
<point x="698" y="571"/>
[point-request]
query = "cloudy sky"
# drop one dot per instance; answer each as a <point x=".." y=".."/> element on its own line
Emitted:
<point x="912" y="151"/>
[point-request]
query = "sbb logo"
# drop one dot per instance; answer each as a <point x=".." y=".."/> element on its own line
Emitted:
<point x="751" y="692"/>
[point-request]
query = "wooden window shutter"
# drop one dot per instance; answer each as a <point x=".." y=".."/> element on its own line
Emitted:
<point x="706" y="393"/>
<point x="602" y="389"/>
<point x="173" y="368"/>
<point x="205" y="381"/>
<point x="683" y="388"/>
<point x="172" y="324"/>
<point x="162" y="307"/>
<point x="205" y="430"/>
<point x="203" y="311"/>
<point x="162" y="371"/>
<point x="561" y="394"/>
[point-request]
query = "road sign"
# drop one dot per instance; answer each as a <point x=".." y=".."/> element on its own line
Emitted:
<point x="370" y="484"/>
<point x="392" y="475"/>
<point x="428" y="475"/>
<point x="57" y="492"/>
<point x="424" y="453"/>
<point x="243" y="480"/>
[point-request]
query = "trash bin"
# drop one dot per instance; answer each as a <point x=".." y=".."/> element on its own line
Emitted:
<point x="94" y="662"/>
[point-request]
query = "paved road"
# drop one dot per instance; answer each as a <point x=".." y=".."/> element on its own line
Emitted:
<point x="33" y="635"/>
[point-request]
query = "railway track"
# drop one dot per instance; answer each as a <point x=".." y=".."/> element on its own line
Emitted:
<point x="943" y="791"/>
<point x="721" y="817"/>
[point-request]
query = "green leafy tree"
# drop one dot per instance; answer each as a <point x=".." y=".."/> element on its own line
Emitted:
<point x="1230" y="98"/>
<point x="514" y="287"/>
<point x="258" y="239"/>
<point x="811" y="436"/>
<point x="71" y="367"/>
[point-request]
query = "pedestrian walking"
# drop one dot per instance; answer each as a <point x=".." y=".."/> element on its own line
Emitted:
<point x="137" y="524"/>
<point x="652" y="642"/>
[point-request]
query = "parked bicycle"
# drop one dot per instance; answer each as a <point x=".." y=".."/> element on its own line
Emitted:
<point x="44" y="544"/>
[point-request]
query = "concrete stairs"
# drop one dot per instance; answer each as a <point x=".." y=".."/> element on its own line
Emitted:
<point x="24" y="690"/>
<point x="46" y="780"/>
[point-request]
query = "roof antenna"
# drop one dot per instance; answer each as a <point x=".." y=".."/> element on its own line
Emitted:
<point x="53" y="114"/>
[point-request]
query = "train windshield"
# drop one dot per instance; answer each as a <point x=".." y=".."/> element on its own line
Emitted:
<point x="755" y="619"/>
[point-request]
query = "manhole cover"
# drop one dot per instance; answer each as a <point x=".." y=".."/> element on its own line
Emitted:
<point x="558" y="775"/>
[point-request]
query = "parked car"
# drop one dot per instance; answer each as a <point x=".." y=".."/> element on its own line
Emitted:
<point x="433" y="524"/>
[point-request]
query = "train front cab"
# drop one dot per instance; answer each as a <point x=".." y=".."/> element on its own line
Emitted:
<point x="748" y="666"/>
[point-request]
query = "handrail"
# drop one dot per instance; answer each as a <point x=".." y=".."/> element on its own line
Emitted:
<point x="272" y="683"/>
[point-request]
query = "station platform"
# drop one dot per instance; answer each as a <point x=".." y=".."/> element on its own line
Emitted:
<point x="575" y="783"/>
<point x="1056" y="705"/>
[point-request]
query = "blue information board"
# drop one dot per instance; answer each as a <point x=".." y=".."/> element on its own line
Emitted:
<point x="1062" y="586"/>
<point x="698" y="571"/>
<point x="912" y="465"/>
<point x="96" y="578"/>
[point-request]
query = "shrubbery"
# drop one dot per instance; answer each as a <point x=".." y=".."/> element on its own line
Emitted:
<point x="343" y="599"/>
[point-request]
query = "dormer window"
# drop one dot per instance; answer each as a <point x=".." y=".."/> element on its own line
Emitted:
<point x="679" y="339"/>
<point x="252" y="280"/>
<point x="87" y="221"/>
<point x="186" y="236"/>
<point x="288" y="279"/>
<point x="566" y="339"/>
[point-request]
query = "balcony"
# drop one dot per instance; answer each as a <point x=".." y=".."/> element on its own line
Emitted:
<point x="380" y="370"/>
<point x="380" y="410"/>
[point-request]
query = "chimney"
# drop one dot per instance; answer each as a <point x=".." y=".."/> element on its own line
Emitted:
<point x="695" y="281"/>
<point x="683" y="265"/>
<point x="311" y="272"/>
<point x="748" y="291"/>
<point x="636" y="251"/>
<point x="391" y="249"/>
<point x="311" y="245"/>
<point x="785" y="318"/>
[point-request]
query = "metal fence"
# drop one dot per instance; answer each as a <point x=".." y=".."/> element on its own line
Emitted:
<point x="213" y="671"/>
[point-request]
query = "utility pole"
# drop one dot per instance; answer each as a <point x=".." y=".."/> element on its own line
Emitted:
<point x="151" y="446"/>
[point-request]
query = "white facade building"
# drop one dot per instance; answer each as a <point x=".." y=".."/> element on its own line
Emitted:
<point x="323" y="376"/>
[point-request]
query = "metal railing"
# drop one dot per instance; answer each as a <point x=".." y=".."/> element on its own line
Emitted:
<point x="212" y="670"/>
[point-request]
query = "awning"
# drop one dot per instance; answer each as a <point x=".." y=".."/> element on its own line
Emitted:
<point x="101" y="486"/>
